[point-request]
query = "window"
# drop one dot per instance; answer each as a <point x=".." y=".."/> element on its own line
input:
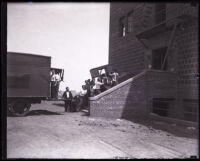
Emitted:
<point x="160" y="12"/>
<point x="158" y="56"/>
<point x="190" y="107"/>
<point x="193" y="4"/>
<point x="126" y="24"/>
<point x="161" y="106"/>
<point x="122" y="27"/>
<point x="130" y="21"/>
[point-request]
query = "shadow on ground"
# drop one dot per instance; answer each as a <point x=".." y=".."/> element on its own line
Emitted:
<point x="140" y="94"/>
<point x="174" y="129"/>
<point x="42" y="112"/>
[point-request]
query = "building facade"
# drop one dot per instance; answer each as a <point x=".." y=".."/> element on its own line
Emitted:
<point x="160" y="39"/>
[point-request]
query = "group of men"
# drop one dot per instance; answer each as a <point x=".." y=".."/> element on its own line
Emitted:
<point x="92" y="87"/>
<point x="104" y="82"/>
<point x="99" y="84"/>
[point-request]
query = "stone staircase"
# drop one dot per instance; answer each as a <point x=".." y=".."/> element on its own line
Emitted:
<point x="133" y="97"/>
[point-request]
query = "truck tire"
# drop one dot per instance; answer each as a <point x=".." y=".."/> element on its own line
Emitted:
<point x="19" y="107"/>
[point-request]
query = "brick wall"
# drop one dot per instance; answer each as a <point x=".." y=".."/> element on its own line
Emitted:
<point x="161" y="84"/>
<point x="126" y="100"/>
<point x="185" y="60"/>
<point x="187" y="54"/>
<point x="126" y="54"/>
<point x="133" y="98"/>
<point x="129" y="54"/>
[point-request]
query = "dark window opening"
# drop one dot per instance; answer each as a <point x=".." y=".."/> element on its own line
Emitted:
<point x="193" y="4"/>
<point x="161" y="106"/>
<point x="122" y="27"/>
<point x="158" y="56"/>
<point x="191" y="100"/>
<point x="130" y="22"/>
<point x="190" y="108"/>
<point x="160" y="12"/>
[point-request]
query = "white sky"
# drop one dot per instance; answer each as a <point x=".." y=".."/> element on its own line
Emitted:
<point x="75" y="35"/>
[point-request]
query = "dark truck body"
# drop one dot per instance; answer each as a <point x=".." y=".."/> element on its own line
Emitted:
<point x="28" y="79"/>
<point x="96" y="72"/>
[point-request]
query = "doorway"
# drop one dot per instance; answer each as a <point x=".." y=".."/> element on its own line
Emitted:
<point x="158" y="56"/>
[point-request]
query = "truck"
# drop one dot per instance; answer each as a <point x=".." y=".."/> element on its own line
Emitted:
<point x="98" y="71"/>
<point x="28" y="81"/>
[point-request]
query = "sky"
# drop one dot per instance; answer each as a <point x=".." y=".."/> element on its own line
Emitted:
<point x="75" y="35"/>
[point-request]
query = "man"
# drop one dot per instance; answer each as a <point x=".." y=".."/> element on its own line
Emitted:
<point x="67" y="95"/>
<point x="107" y="80"/>
<point x="115" y="76"/>
<point x="87" y="87"/>
<point x="84" y="95"/>
<point x="97" y="87"/>
<point x="53" y="84"/>
<point x="57" y="84"/>
<point x="83" y="91"/>
<point x="91" y="87"/>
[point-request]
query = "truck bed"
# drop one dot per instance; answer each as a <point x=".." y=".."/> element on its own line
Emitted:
<point x="28" y="75"/>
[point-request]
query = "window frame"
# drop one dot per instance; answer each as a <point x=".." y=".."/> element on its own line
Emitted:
<point x="130" y="21"/>
<point x="190" y="110"/>
<point x="160" y="13"/>
<point x="122" y="26"/>
<point x="160" y="110"/>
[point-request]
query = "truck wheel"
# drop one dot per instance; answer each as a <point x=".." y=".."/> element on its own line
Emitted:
<point x="19" y="108"/>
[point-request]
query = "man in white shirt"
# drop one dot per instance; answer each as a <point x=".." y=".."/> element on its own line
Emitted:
<point x="84" y="95"/>
<point x="97" y="86"/>
<point x="56" y="83"/>
<point x="115" y="76"/>
<point x="83" y="91"/>
<point x="53" y="84"/>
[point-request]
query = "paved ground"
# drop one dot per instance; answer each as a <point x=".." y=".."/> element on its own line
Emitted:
<point x="48" y="132"/>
